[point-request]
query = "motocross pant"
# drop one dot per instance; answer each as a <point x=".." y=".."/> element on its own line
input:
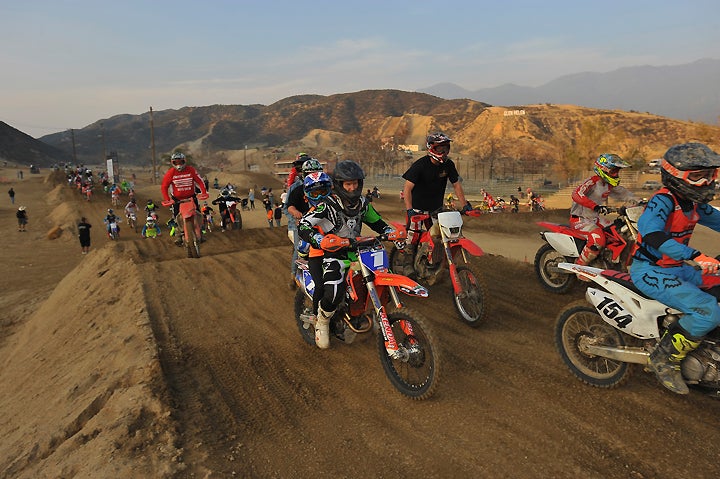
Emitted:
<point x="678" y="287"/>
<point x="333" y="280"/>
<point x="595" y="238"/>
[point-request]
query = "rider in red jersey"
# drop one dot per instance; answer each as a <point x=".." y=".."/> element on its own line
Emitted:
<point x="184" y="179"/>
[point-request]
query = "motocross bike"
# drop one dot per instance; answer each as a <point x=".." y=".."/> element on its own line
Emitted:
<point x="114" y="232"/>
<point x="617" y="326"/>
<point x="190" y="219"/>
<point x="416" y="260"/>
<point x="564" y="244"/>
<point x="132" y="221"/>
<point x="406" y="346"/>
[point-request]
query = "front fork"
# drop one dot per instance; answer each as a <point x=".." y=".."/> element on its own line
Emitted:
<point x="391" y="345"/>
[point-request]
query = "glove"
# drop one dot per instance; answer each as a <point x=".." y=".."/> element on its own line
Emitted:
<point x="203" y="196"/>
<point x="167" y="202"/>
<point x="303" y="249"/>
<point x="412" y="212"/>
<point x="708" y="264"/>
<point x="602" y="209"/>
<point x="466" y="208"/>
<point x="333" y="243"/>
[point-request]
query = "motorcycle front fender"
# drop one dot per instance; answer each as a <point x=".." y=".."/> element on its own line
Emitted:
<point x="403" y="283"/>
<point x="469" y="246"/>
<point x="562" y="243"/>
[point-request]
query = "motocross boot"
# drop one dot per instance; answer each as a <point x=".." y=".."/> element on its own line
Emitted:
<point x="322" y="328"/>
<point x="587" y="256"/>
<point x="666" y="358"/>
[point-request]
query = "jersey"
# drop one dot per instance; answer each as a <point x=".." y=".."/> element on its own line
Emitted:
<point x="182" y="182"/>
<point x="430" y="181"/>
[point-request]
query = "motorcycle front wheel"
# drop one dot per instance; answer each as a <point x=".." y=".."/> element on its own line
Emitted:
<point x="470" y="298"/>
<point x="579" y="324"/>
<point x="416" y="373"/>
<point x="546" y="270"/>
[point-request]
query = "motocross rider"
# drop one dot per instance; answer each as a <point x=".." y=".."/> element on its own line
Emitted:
<point x="183" y="179"/>
<point x="424" y="189"/>
<point x="296" y="205"/>
<point x="317" y="186"/>
<point x="109" y="219"/>
<point x="588" y="204"/>
<point x="331" y="226"/>
<point x="659" y="270"/>
<point x="131" y="208"/>
<point x="222" y="201"/>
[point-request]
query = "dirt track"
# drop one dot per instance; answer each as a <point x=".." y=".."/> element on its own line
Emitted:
<point x="248" y="398"/>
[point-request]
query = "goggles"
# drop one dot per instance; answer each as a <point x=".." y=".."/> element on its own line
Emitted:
<point x="178" y="161"/>
<point x="693" y="177"/>
<point x="318" y="193"/>
<point x="442" y="148"/>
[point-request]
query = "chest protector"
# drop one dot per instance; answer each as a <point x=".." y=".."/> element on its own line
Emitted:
<point x="679" y="226"/>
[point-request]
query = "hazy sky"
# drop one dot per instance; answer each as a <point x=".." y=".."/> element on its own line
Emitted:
<point x="68" y="63"/>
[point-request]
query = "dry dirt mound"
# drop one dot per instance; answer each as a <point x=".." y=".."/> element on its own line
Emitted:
<point x="143" y="363"/>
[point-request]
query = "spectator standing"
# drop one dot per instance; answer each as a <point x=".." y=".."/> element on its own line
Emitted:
<point x="278" y="214"/>
<point x="251" y="198"/>
<point x="84" y="235"/>
<point x="11" y="194"/>
<point x="22" y="218"/>
<point x="270" y="216"/>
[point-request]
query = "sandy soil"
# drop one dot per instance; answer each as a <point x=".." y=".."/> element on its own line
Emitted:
<point x="134" y="361"/>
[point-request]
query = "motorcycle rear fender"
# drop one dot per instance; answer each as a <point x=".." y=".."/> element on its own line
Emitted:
<point x="403" y="283"/>
<point x="565" y="245"/>
<point x="468" y="245"/>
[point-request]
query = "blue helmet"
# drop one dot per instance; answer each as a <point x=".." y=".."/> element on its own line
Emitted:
<point x="317" y="185"/>
<point x="607" y="166"/>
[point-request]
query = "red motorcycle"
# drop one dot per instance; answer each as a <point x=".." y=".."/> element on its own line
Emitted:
<point x="418" y="260"/>
<point x="564" y="244"/>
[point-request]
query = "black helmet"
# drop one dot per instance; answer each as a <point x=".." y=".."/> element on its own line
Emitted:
<point x="300" y="158"/>
<point x="435" y="140"/>
<point x="348" y="170"/>
<point x="689" y="170"/>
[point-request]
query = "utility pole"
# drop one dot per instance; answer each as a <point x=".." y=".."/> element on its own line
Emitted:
<point x="72" y="136"/>
<point x="102" y="133"/>
<point x="152" y="146"/>
<point x="245" y="158"/>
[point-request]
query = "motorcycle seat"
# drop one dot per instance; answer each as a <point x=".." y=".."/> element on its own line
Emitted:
<point x="624" y="280"/>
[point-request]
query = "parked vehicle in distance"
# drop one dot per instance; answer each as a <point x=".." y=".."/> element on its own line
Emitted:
<point x="654" y="163"/>
<point x="651" y="185"/>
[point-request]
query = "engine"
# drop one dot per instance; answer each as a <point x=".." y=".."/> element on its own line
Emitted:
<point x="702" y="366"/>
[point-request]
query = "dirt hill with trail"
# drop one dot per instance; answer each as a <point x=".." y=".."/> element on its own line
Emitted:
<point x="134" y="361"/>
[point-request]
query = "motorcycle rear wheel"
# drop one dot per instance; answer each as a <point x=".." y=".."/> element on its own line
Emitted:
<point x="303" y="305"/>
<point x="579" y="323"/>
<point x="547" y="258"/>
<point x="470" y="302"/>
<point x="417" y="375"/>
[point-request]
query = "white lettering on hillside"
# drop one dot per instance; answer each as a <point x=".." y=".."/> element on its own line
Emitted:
<point x="513" y="112"/>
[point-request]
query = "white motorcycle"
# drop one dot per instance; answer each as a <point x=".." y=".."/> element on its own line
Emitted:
<point x="599" y="338"/>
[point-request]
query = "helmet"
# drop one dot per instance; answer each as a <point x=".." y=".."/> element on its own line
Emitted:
<point x="150" y="220"/>
<point x="149" y="202"/>
<point x="438" y="146"/>
<point x="224" y="192"/>
<point x="317" y="185"/>
<point x="178" y="161"/>
<point x="110" y="211"/>
<point x="348" y="170"/>
<point x="310" y="165"/>
<point x="300" y="159"/>
<point x="689" y="170"/>
<point x="607" y="166"/>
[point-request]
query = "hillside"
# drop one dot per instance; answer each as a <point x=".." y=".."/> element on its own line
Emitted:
<point x="352" y="121"/>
